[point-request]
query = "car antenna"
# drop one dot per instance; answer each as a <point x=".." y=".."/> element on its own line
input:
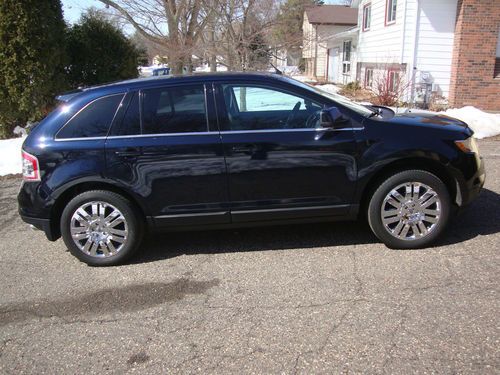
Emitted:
<point x="276" y="70"/>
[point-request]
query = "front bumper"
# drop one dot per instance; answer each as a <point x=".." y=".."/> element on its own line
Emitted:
<point x="471" y="187"/>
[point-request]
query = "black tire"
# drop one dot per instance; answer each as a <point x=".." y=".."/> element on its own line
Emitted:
<point x="377" y="199"/>
<point x="134" y="221"/>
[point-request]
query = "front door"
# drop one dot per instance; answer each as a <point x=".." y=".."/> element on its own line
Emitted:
<point x="333" y="64"/>
<point x="280" y="163"/>
<point x="166" y="152"/>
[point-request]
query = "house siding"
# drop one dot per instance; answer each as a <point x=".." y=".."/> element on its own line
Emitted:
<point x="421" y="38"/>
<point x="434" y="49"/>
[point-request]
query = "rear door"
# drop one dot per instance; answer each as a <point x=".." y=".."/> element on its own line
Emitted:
<point x="281" y="163"/>
<point x="167" y="151"/>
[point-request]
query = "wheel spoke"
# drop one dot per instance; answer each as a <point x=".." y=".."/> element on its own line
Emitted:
<point x="422" y="228"/>
<point x="391" y="220"/>
<point x="430" y="219"/>
<point x="93" y="249"/>
<point x="86" y="248"/>
<point x="430" y="201"/>
<point x="405" y="230"/>
<point x="398" y="228"/>
<point x="416" y="192"/>
<point x="393" y="202"/>
<point x="116" y="222"/>
<point x="105" y="249"/>
<point x="117" y="239"/>
<point x="78" y="230"/>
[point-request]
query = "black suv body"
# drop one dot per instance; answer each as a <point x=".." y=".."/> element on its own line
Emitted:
<point x="210" y="151"/>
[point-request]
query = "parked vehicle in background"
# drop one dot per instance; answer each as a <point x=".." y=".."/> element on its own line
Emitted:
<point x="225" y="150"/>
<point x="161" y="72"/>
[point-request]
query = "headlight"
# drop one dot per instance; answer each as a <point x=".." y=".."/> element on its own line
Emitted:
<point x="468" y="145"/>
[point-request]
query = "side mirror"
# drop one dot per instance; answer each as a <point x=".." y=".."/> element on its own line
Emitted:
<point x="332" y="118"/>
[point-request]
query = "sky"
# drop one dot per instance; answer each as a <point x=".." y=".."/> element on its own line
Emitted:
<point x="74" y="8"/>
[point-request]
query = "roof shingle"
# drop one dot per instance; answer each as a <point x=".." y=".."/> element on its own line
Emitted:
<point x="332" y="15"/>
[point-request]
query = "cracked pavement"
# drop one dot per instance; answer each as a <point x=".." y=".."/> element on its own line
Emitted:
<point x="318" y="298"/>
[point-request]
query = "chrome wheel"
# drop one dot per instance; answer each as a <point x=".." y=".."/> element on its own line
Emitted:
<point x="99" y="229"/>
<point x="411" y="211"/>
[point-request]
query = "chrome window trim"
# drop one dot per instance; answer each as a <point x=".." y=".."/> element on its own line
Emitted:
<point x="288" y="130"/>
<point x="209" y="133"/>
<point x="83" y="108"/>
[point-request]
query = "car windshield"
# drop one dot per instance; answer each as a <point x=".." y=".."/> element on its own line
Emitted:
<point x="361" y="109"/>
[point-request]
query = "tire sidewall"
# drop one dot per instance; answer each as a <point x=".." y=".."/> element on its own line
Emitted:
<point x="375" y="208"/>
<point x="135" y="227"/>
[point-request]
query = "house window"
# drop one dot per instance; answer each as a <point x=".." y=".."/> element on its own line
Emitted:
<point x="368" y="77"/>
<point x="393" y="80"/>
<point x="367" y="16"/>
<point x="346" y="57"/>
<point x="390" y="11"/>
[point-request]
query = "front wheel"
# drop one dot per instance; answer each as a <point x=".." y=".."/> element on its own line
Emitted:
<point x="409" y="210"/>
<point x="101" y="228"/>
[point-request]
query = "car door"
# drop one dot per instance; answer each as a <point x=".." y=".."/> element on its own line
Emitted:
<point x="281" y="164"/>
<point x="165" y="150"/>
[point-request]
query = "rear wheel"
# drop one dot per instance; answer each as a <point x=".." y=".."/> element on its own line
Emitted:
<point x="409" y="210"/>
<point x="101" y="228"/>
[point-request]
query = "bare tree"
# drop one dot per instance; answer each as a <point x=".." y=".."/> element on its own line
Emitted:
<point x="174" y="25"/>
<point x="238" y="34"/>
<point x="389" y="85"/>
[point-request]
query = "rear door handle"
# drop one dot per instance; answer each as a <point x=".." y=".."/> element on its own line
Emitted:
<point x="129" y="153"/>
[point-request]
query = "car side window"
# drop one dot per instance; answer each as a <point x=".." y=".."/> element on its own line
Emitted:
<point x="93" y="120"/>
<point x="131" y="123"/>
<point x="174" y="110"/>
<point x="261" y="108"/>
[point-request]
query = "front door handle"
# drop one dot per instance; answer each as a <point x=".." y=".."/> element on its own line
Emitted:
<point x="247" y="149"/>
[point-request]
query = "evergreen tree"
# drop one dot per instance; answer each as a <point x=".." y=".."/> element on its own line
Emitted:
<point x="32" y="57"/>
<point x="99" y="52"/>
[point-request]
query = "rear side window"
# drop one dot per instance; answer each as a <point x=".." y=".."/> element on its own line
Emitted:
<point x="93" y="120"/>
<point x="131" y="124"/>
<point x="174" y="110"/>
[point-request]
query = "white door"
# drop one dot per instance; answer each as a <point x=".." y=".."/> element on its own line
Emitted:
<point x="333" y="64"/>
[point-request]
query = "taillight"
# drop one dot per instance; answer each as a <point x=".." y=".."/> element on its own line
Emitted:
<point x="31" y="168"/>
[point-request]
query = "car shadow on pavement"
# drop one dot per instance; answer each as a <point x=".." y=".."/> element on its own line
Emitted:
<point x="482" y="217"/>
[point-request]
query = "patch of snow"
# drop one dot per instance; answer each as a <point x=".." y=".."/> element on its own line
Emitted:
<point x="484" y="124"/>
<point x="329" y="87"/>
<point x="302" y="78"/>
<point x="10" y="156"/>
<point x="206" y="68"/>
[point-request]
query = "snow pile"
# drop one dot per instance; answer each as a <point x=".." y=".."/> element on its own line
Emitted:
<point x="10" y="156"/>
<point x="484" y="124"/>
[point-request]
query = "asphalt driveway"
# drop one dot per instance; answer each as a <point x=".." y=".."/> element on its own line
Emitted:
<point x="322" y="298"/>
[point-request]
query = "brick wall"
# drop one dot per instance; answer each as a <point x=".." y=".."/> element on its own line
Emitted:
<point x="474" y="55"/>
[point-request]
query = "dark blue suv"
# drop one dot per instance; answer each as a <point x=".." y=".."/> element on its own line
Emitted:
<point x="219" y="150"/>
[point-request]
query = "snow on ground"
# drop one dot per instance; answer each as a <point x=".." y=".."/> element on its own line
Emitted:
<point x="206" y="68"/>
<point x="329" y="87"/>
<point x="10" y="156"/>
<point x="484" y="124"/>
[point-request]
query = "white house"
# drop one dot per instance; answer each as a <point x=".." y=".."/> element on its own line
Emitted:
<point x="321" y="23"/>
<point x="446" y="48"/>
